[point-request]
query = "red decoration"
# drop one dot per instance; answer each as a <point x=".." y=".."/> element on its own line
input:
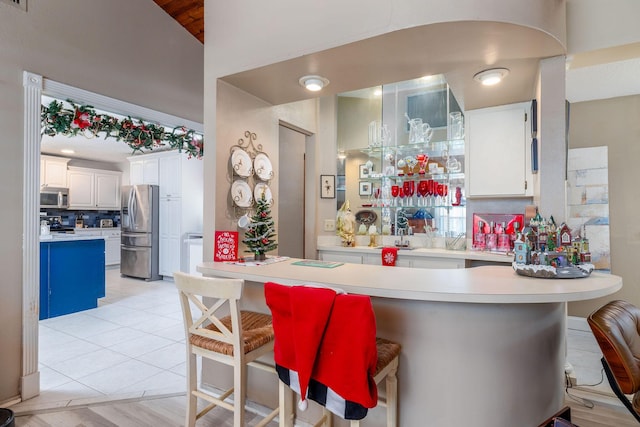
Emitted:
<point x="225" y="246"/>
<point x="389" y="256"/>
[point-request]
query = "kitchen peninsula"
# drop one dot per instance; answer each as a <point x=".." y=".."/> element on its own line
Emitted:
<point x="480" y="346"/>
<point x="72" y="273"/>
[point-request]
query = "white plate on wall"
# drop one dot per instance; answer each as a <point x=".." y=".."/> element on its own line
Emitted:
<point x="261" y="188"/>
<point x="241" y="163"/>
<point x="262" y="166"/>
<point x="241" y="193"/>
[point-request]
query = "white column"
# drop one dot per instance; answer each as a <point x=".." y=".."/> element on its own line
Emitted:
<point x="552" y="143"/>
<point x="30" y="379"/>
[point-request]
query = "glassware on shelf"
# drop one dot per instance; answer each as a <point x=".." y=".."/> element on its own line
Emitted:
<point x="419" y="132"/>
<point x="395" y="192"/>
<point x="456" y="125"/>
<point x="422" y="159"/>
<point x="423" y="187"/>
<point x="409" y="188"/>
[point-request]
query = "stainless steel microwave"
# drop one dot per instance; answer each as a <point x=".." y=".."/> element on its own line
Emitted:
<point x="54" y="197"/>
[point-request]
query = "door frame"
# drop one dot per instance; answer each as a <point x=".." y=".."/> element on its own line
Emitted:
<point x="34" y="86"/>
<point x="309" y="239"/>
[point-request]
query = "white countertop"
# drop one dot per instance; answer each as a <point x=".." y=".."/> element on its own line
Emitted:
<point x="486" y="284"/>
<point x="68" y="237"/>
<point x="430" y="252"/>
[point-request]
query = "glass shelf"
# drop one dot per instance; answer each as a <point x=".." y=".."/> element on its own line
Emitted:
<point x="389" y="123"/>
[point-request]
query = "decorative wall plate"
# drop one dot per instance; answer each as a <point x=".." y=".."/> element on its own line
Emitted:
<point x="262" y="166"/>
<point x="261" y="188"/>
<point x="241" y="163"/>
<point x="366" y="217"/>
<point x="241" y="193"/>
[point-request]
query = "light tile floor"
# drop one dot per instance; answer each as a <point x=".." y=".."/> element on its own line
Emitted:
<point x="132" y="346"/>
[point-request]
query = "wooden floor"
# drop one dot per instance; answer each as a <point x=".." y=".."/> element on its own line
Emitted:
<point x="169" y="412"/>
<point x="153" y="412"/>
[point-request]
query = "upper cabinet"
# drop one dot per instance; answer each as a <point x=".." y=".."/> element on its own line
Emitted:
<point x="53" y="171"/>
<point x="93" y="188"/>
<point x="143" y="170"/>
<point x="498" y="158"/>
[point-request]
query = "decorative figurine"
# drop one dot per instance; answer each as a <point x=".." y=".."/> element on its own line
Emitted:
<point x="346" y="225"/>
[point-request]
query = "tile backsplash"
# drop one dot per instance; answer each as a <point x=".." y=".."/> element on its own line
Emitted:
<point x="90" y="218"/>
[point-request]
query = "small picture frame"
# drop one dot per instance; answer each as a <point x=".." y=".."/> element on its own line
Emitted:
<point x="327" y="186"/>
<point x="365" y="172"/>
<point x="365" y="188"/>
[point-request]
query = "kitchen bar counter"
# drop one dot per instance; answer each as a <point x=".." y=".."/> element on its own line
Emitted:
<point x="430" y="252"/>
<point x="72" y="274"/>
<point x="481" y="346"/>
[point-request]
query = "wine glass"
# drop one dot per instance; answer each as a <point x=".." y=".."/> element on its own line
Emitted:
<point x="395" y="191"/>
<point x="430" y="191"/>
<point x="440" y="192"/>
<point x="423" y="190"/>
<point x="376" y="197"/>
<point x="409" y="188"/>
<point x="401" y="195"/>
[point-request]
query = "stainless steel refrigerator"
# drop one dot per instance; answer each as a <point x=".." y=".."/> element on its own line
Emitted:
<point x="140" y="232"/>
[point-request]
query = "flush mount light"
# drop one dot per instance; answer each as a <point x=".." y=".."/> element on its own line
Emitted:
<point x="313" y="83"/>
<point x="67" y="151"/>
<point x="492" y="76"/>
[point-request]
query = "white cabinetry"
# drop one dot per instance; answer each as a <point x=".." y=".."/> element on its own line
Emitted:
<point x="93" y="188"/>
<point x="180" y="181"/>
<point x="498" y="159"/>
<point x="143" y="171"/>
<point x="414" y="260"/>
<point x="112" y="247"/>
<point x="53" y="171"/>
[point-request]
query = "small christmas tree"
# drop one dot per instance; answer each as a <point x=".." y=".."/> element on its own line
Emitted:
<point x="259" y="237"/>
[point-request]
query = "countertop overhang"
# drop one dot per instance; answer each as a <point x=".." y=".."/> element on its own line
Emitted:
<point x="68" y="237"/>
<point x="429" y="252"/>
<point x="484" y="284"/>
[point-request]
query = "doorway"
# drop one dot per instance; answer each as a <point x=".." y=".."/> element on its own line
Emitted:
<point x="34" y="87"/>
<point x="291" y="203"/>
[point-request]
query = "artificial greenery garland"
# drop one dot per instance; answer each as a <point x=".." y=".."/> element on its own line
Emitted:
<point x="139" y="135"/>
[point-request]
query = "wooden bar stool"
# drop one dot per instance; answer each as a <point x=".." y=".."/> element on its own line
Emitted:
<point x="236" y="340"/>
<point x="320" y="340"/>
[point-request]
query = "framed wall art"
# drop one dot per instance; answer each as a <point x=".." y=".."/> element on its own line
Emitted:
<point x="365" y="188"/>
<point x="327" y="186"/>
<point x="365" y="171"/>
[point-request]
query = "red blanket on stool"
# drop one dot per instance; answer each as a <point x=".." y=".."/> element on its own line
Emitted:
<point x="325" y="347"/>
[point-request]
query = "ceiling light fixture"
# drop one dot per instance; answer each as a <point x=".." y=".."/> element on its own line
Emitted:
<point x="313" y="83"/>
<point x="67" y="151"/>
<point x="492" y="76"/>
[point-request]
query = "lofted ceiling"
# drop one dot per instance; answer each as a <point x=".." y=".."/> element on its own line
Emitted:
<point x="188" y="13"/>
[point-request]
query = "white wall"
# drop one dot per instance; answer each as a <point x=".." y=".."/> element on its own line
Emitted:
<point x="131" y="51"/>
<point x="597" y="24"/>
<point x="236" y="31"/>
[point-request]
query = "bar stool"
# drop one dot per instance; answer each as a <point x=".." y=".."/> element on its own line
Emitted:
<point x="320" y="318"/>
<point x="236" y="340"/>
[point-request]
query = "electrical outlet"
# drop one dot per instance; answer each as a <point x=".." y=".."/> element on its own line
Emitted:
<point x="329" y="225"/>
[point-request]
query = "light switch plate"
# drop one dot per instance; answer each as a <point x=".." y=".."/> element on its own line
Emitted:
<point x="329" y="225"/>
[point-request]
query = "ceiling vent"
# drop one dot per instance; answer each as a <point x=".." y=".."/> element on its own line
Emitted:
<point x="21" y="4"/>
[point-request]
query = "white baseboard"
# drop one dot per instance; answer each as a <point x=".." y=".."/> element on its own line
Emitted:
<point x="578" y="323"/>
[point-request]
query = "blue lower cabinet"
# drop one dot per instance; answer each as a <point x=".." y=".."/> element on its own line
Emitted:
<point x="72" y="276"/>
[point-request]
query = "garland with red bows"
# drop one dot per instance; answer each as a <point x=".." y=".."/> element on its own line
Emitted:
<point x="137" y="134"/>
